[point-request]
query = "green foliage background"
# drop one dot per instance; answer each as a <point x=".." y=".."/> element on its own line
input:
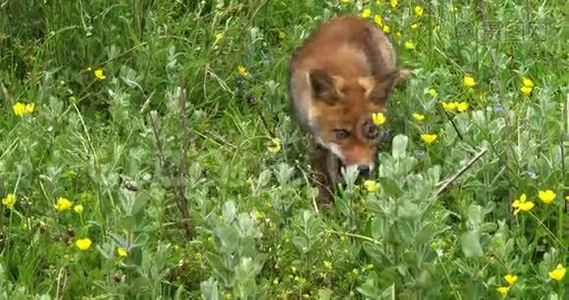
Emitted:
<point x="174" y="122"/>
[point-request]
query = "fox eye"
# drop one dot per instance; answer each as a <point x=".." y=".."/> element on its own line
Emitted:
<point x="341" y="134"/>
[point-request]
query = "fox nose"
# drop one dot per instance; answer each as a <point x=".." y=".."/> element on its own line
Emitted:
<point x="364" y="169"/>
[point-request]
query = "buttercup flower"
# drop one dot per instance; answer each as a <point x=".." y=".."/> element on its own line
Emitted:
<point x="378" y="118"/>
<point x="393" y="3"/>
<point x="218" y="37"/>
<point x="468" y="81"/>
<point x="121" y="252"/>
<point x="429" y="138"/>
<point x="522" y="204"/>
<point x="20" y="109"/>
<point x="9" y="201"/>
<point x="526" y="90"/>
<point x="432" y="92"/>
<point x="503" y="291"/>
<point x="366" y="13"/>
<point x="527" y="86"/>
<point x="398" y="35"/>
<point x="274" y="146"/>
<point x="242" y="71"/>
<point x="418" y="117"/>
<point x="546" y="196"/>
<point x="371" y="186"/>
<point x="386" y="28"/>
<point x="63" y="204"/>
<point x="414" y="26"/>
<point x="78" y="208"/>
<point x="99" y="74"/>
<point x="449" y="106"/>
<point x="409" y="44"/>
<point x="282" y="35"/>
<point x="378" y="20"/>
<point x="566" y="198"/>
<point x="83" y="244"/>
<point x="511" y="279"/>
<point x="558" y="273"/>
<point x="419" y="10"/>
<point x="462" y="106"/>
<point x="527" y="82"/>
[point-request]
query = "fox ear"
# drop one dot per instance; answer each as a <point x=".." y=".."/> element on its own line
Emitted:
<point x="386" y="84"/>
<point x="323" y="86"/>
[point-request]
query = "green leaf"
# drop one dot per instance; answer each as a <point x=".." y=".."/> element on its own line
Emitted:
<point x="390" y="188"/>
<point x="226" y="239"/>
<point x="229" y="212"/>
<point x="471" y="244"/>
<point x="399" y="145"/>
<point x="210" y="290"/>
<point x="139" y="203"/>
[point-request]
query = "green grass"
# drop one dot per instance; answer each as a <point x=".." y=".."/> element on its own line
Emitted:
<point x="174" y="130"/>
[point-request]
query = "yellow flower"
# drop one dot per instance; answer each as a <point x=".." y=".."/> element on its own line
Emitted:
<point x="20" y="109"/>
<point x="468" y="81"/>
<point x="99" y="74"/>
<point x="394" y="3"/>
<point x="409" y="44"/>
<point x="378" y="118"/>
<point x="567" y="198"/>
<point x="386" y="28"/>
<point x="63" y="204"/>
<point x="9" y="200"/>
<point x="511" y="279"/>
<point x="378" y="20"/>
<point x="450" y="106"/>
<point x="526" y="90"/>
<point x="122" y="252"/>
<point x="282" y="35"/>
<point x="558" y="273"/>
<point x="432" y="92"/>
<point x="418" y="117"/>
<point x="275" y="145"/>
<point x="83" y="244"/>
<point x="242" y="71"/>
<point x="546" y="196"/>
<point x="453" y="9"/>
<point x="218" y="37"/>
<point x="398" y="35"/>
<point x="419" y="10"/>
<point x="527" y="82"/>
<point x="366" y="13"/>
<point x="414" y="26"/>
<point x="328" y="265"/>
<point x="30" y="108"/>
<point x="78" y="208"/>
<point x="371" y="186"/>
<point x="522" y="204"/>
<point x="462" y="106"/>
<point x="503" y="291"/>
<point x="429" y="138"/>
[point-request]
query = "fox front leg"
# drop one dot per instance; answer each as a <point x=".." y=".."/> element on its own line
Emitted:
<point x="326" y="168"/>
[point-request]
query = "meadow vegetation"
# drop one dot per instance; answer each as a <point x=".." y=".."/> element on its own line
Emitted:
<point x="147" y="151"/>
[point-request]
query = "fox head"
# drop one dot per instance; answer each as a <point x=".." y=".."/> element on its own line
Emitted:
<point x="341" y="114"/>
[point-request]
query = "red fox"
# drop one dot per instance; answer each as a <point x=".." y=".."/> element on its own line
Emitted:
<point x="343" y="73"/>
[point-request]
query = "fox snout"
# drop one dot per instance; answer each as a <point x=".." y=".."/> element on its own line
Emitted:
<point x="360" y="156"/>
